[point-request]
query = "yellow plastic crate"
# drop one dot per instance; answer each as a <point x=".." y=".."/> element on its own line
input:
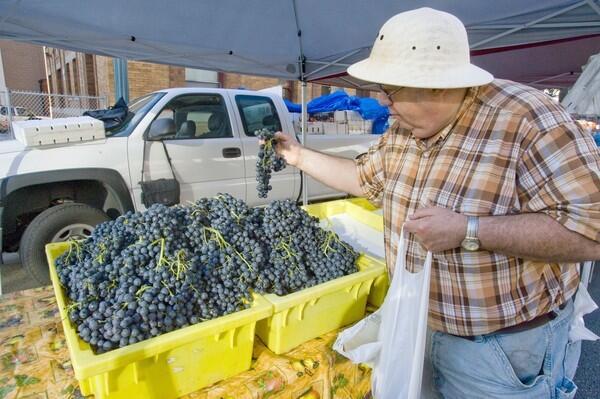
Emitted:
<point x="361" y="210"/>
<point x="167" y="366"/>
<point x="325" y="210"/>
<point x="363" y="203"/>
<point x="306" y="314"/>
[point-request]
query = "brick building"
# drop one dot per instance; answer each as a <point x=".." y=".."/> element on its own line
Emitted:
<point x="21" y="66"/>
<point x="74" y="73"/>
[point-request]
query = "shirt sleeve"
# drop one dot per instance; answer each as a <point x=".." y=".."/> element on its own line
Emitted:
<point x="559" y="175"/>
<point x="371" y="169"/>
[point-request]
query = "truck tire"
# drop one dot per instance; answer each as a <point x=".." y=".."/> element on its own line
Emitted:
<point x="55" y="224"/>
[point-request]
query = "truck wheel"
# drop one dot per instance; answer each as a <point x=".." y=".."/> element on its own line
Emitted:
<point x="55" y="224"/>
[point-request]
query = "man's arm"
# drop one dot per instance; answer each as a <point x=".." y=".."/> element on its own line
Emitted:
<point x="336" y="172"/>
<point x="534" y="236"/>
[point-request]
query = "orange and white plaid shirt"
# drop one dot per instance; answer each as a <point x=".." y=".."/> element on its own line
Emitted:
<point x="510" y="150"/>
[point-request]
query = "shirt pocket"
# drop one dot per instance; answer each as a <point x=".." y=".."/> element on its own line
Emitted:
<point x="482" y="193"/>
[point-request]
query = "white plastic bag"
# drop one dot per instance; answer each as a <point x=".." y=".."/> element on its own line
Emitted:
<point x="583" y="305"/>
<point x="392" y="339"/>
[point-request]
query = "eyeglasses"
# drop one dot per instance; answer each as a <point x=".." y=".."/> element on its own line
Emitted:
<point x="389" y="95"/>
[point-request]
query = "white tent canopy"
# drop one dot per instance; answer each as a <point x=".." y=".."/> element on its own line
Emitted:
<point x="584" y="98"/>
<point x="289" y="39"/>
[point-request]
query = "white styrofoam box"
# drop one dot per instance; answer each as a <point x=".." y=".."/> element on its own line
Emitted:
<point x="339" y="116"/>
<point x="314" y="128"/>
<point x="330" y="128"/>
<point x="360" y="127"/>
<point x="353" y="116"/>
<point x="361" y="237"/>
<point x="297" y="127"/>
<point x="35" y="133"/>
<point x="342" y="129"/>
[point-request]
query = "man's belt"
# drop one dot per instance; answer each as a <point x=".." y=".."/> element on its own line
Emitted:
<point x="526" y="325"/>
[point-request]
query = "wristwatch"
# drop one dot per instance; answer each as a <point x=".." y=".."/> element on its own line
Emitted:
<point x="471" y="242"/>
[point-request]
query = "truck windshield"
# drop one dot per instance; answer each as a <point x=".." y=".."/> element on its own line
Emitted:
<point x="137" y="109"/>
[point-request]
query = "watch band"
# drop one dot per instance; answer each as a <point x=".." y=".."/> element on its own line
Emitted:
<point x="472" y="227"/>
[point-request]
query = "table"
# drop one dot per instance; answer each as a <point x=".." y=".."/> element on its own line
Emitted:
<point x="35" y="364"/>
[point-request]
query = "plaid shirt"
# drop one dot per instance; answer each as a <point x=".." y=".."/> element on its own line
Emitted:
<point x="510" y="150"/>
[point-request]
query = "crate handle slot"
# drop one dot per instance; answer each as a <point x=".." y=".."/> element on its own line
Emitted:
<point x="107" y="383"/>
<point x="233" y="336"/>
<point x="136" y="373"/>
<point x="285" y="314"/>
<point x="301" y="309"/>
<point x="356" y="290"/>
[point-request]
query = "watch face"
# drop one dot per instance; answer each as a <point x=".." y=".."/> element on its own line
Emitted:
<point x="470" y="245"/>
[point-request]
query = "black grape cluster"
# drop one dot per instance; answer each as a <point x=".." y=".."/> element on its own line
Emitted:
<point x="149" y="273"/>
<point x="301" y="254"/>
<point x="268" y="161"/>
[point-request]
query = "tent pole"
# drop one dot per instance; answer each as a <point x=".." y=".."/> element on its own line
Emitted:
<point x="529" y="24"/>
<point x="121" y="79"/>
<point x="304" y="120"/>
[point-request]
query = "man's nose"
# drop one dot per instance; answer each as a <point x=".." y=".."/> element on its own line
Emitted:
<point x="383" y="99"/>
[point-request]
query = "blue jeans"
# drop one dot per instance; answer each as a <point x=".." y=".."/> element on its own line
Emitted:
<point x="537" y="363"/>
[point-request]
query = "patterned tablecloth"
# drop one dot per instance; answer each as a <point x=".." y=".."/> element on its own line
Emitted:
<point x="35" y="364"/>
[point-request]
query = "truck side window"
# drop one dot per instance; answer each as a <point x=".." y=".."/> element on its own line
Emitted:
<point x="198" y="116"/>
<point x="257" y="112"/>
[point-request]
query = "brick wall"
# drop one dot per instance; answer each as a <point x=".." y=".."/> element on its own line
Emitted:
<point x="176" y="76"/>
<point x="104" y="78"/>
<point x="234" y="81"/>
<point x="90" y="75"/>
<point x="145" y="78"/>
<point x="23" y="65"/>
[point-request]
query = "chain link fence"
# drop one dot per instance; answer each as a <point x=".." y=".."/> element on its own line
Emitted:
<point x="23" y="105"/>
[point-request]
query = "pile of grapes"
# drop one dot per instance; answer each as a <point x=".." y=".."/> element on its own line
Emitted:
<point x="148" y="273"/>
<point x="268" y="161"/>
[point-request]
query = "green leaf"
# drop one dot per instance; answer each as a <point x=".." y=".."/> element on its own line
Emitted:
<point x="5" y="390"/>
<point x="24" y="380"/>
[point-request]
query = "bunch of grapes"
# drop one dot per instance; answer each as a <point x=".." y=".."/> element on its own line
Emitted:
<point x="148" y="273"/>
<point x="268" y="161"/>
<point x="301" y="254"/>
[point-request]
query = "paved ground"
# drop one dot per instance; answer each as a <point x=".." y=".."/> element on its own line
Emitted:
<point x="14" y="278"/>
<point x="588" y="373"/>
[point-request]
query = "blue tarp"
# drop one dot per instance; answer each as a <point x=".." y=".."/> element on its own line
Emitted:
<point x="368" y="108"/>
<point x="292" y="107"/>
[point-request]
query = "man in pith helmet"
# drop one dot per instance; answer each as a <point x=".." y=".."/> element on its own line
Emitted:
<point x="500" y="184"/>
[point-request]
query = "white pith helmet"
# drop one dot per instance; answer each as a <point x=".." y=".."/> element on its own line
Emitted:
<point x="423" y="48"/>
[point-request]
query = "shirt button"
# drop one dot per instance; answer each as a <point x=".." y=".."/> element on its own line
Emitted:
<point x="426" y="154"/>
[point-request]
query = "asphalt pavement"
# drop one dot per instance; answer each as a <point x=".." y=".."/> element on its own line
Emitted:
<point x="588" y="372"/>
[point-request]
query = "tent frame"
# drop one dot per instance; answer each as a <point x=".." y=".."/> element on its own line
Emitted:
<point x="510" y="29"/>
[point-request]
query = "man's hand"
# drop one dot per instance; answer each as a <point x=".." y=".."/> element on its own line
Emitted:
<point x="289" y="148"/>
<point x="437" y="229"/>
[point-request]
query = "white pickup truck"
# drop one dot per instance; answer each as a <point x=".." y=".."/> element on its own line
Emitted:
<point x="54" y="192"/>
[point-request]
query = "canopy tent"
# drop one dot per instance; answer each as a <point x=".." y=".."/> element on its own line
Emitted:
<point x="305" y="40"/>
<point x="584" y="98"/>
<point x="553" y="64"/>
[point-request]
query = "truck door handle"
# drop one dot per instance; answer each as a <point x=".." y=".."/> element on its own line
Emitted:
<point x="232" y="152"/>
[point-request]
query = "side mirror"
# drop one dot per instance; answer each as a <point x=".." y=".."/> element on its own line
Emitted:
<point x="161" y="128"/>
